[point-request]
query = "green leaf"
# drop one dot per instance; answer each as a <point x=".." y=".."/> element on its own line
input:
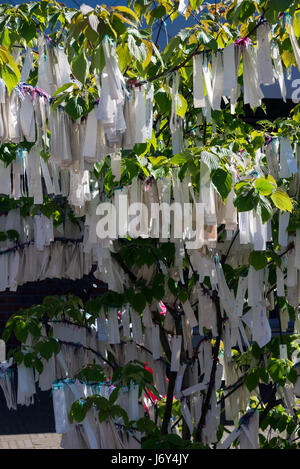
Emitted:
<point x="258" y="259"/>
<point x="92" y="373"/>
<point x="245" y="200"/>
<point x="282" y="200"/>
<point x="264" y="376"/>
<point x="167" y="250"/>
<point x="291" y="427"/>
<point x="264" y="209"/>
<point x="182" y="171"/>
<point x="3" y="236"/>
<point x="18" y="357"/>
<point x="39" y="365"/>
<point x="138" y="302"/>
<point x="13" y="235"/>
<point x="210" y="159"/>
<point x="35" y="328"/>
<point x="184" y="34"/>
<point x="264" y="187"/>
<point x="208" y="40"/>
<point x="114" y="395"/>
<point x="158" y="12"/>
<point x="158" y="292"/>
<point x="181" y="110"/>
<point x="117" y="411"/>
<point x="45" y="350"/>
<point x="277" y="369"/>
<point x="275" y="258"/>
<point x="7" y="333"/>
<point x="103" y="415"/>
<point x="139" y="52"/>
<point x="80" y="67"/>
<point x="9" y="76"/>
<point x="59" y="100"/>
<point x="102" y="403"/>
<point x="78" y="411"/>
<point x="297" y="24"/>
<point x="258" y="142"/>
<point x="280" y="5"/>
<point x="28" y="30"/>
<point x="66" y="86"/>
<point x="99" y="59"/>
<point x="29" y="359"/>
<point x="179" y="159"/>
<point x="252" y="379"/>
<point x="171" y="46"/>
<point x="222" y="181"/>
<point x="76" y="107"/>
<point x="243" y="11"/>
<point x="172" y="286"/>
<point x="163" y="101"/>
<point x="127" y="12"/>
<point x="183" y="296"/>
<point x="292" y="375"/>
<point x="140" y="148"/>
<point x="21" y="331"/>
<point x="6" y="59"/>
<point x="158" y="161"/>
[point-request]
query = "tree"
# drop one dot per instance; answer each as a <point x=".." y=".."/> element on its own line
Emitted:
<point x="221" y="287"/>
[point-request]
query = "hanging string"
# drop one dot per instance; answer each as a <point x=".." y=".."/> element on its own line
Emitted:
<point x="60" y="382"/>
<point x="98" y="354"/>
<point x="20" y="246"/>
<point x="65" y="321"/>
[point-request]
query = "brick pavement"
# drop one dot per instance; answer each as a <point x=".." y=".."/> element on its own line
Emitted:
<point x="31" y="427"/>
<point x="30" y="441"/>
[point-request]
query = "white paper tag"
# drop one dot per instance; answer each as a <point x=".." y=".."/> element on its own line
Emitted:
<point x="136" y="327"/>
<point x="190" y="315"/>
<point x="182" y="7"/>
<point x="198" y="86"/>
<point x="176" y="349"/>
<point x="101" y="329"/>
<point x="113" y="327"/>
<point x="240" y="296"/>
<point x="280" y="282"/>
<point x="195" y="388"/>
<point x="229" y="69"/>
<point x="283" y="352"/>
<point x="2" y="351"/>
<point x="297" y="250"/>
<point x="133" y="410"/>
<point x="115" y="160"/>
<point x="156" y="347"/>
<point x="125" y="322"/>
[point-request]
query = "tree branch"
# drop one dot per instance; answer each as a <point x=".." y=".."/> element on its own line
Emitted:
<point x="159" y="30"/>
<point x="169" y="403"/>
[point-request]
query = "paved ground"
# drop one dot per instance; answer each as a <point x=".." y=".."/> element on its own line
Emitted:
<point x="30" y="441"/>
<point x="30" y="427"/>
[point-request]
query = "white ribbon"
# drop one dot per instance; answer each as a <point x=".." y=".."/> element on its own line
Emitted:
<point x="188" y="310"/>
<point x="264" y="62"/>
<point x="198" y="86"/>
<point x="156" y="345"/>
<point x="284" y="219"/>
<point x="175" y="350"/>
